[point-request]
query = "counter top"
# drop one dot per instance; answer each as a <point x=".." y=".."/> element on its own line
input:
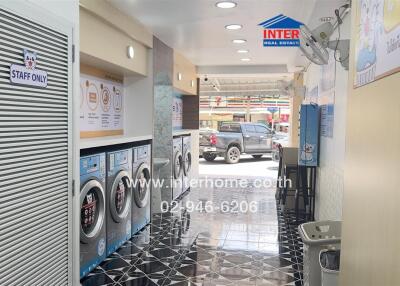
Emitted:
<point x="183" y="131"/>
<point x="111" y="140"/>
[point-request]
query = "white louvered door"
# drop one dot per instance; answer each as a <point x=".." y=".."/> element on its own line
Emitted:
<point x="35" y="156"/>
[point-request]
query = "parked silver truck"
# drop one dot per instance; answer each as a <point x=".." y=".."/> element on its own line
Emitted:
<point x="234" y="139"/>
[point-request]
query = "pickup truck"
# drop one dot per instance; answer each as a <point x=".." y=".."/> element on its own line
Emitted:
<point x="234" y="139"/>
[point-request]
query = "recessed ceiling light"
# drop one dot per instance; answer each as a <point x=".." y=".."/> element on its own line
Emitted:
<point x="233" y="27"/>
<point x="226" y="4"/>
<point x="245" y="60"/>
<point x="242" y="51"/>
<point x="239" y="41"/>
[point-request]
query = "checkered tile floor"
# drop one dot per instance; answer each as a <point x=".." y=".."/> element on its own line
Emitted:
<point x="210" y="249"/>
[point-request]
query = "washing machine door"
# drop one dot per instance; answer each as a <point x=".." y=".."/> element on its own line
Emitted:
<point x="187" y="162"/>
<point x="178" y="165"/>
<point x="141" y="191"/>
<point x="92" y="203"/>
<point x="120" y="196"/>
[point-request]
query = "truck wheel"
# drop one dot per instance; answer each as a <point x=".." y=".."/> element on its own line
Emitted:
<point x="232" y="156"/>
<point x="209" y="156"/>
<point x="257" y="156"/>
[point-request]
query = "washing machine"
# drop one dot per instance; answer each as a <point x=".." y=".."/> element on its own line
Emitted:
<point x="186" y="162"/>
<point x="141" y="187"/>
<point x="92" y="208"/>
<point x="177" y="168"/>
<point x="118" y="198"/>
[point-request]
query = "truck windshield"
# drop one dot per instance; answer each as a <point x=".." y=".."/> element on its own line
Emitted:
<point x="230" y="127"/>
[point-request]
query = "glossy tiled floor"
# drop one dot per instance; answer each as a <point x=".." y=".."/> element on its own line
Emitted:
<point x="210" y="248"/>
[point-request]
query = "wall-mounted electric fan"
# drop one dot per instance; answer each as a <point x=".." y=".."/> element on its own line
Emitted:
<point x="288" y="88"/>
<point x="314" y="45"/>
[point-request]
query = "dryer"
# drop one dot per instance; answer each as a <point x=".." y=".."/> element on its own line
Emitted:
<point x="186" y="162"/>
<point x="118" y="198"/>
<point x="92" y="209"/>
<point x="141" y="187"/>
<point x="177" y="167"/>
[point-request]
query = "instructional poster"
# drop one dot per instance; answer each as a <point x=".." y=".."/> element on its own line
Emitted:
<point x="177" y="108"/>
<point x="377" y="40"/>
<point x="327" y="120"/>
<point x="101" y="107"/>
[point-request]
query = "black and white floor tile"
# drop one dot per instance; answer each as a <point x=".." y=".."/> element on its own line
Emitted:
<point x="210" y="249"/>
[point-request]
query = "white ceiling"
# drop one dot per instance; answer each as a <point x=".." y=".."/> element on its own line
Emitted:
<point x="196" y="27"/>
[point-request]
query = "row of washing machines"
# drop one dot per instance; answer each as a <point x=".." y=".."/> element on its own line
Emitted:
<point x="182" y="165"/>
<point x="114" y="199"/>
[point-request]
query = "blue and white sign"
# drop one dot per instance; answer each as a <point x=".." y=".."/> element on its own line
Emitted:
<point x="281" y="31"/>
<point x="28" y="74"/>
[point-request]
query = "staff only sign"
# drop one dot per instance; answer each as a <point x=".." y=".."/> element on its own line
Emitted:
<point x="28" y="74"/>
<point x="281" y="31"/>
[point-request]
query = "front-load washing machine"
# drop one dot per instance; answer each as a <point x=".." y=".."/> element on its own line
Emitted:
<point x="141" y="187"/>
<point x="177" y="171"/>
<point x="186" y="161"/>
<point x="118" y="198"/>
<point x="92" y="208"/>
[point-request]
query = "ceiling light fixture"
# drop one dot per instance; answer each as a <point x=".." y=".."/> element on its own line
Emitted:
<point x="239" y="41"/>
<point x="245" y="60"/>
<point x="233" y="27"/>
<point x="226" y="4"/>
<point x="242" y="51"/>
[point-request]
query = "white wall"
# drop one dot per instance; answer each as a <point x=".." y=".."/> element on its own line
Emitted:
<point x="67" y="9"/>
<point x="330" y="174"/>
<point x="138" y="92"/>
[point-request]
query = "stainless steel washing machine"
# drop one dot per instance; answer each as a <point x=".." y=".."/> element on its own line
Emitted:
<point x="186" y="162"/>
<point x="141" y="187"/>
<point x="118" y="198"/>
<point x="92" y="208"/>
<point x="177" y="168"/>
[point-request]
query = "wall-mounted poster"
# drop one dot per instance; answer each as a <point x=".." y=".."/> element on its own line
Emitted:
<point x="377" y="40"/>
<point x="101" y="107"/>
<point x="327" y="120"/>
<point x="177" y="108"/>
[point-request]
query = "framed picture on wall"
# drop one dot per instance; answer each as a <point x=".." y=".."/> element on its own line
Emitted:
<point x="377" y="45"/>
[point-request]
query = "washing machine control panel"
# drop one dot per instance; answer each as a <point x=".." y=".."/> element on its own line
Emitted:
<point x="119" y="158"/>
<point x="92" y="164"/>
<point x="143" y="152"/>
